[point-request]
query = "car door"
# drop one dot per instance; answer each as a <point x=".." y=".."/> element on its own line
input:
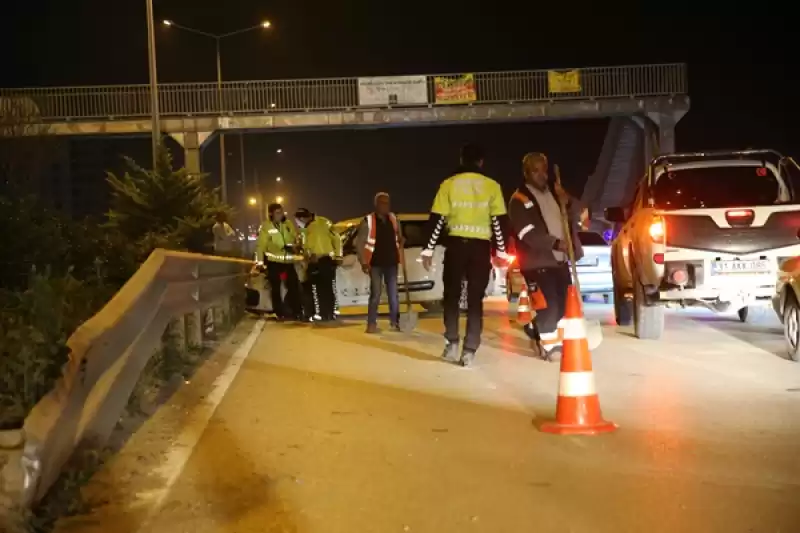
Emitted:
<point x="352" y="285"/>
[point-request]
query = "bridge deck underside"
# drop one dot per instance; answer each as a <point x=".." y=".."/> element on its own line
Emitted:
<point x="379" y="118"/>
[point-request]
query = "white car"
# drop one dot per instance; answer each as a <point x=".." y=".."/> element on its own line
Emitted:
<point x="704" y="229"/>
<point x="594" y="269"/>
<point x="352" y="285"/>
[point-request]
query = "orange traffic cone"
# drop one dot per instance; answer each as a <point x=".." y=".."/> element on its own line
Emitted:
<point x="524" y="315"/>
<point x="578" y="407"/>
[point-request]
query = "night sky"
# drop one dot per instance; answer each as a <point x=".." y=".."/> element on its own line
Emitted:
<point x="743" y="77"/>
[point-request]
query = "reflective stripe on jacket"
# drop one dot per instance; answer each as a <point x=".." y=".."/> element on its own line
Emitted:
<point x="468" y="201"/>
<point x="319" y="239"/>
<point x="367" y="235"/>
<point x="274" y="238"/>
<point x="534" y="242"/>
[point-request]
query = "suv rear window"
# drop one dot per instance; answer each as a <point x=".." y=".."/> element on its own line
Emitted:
<point x="712" y="187"/>
<point x="590" y="238"/>
<point x="414" y="232"/>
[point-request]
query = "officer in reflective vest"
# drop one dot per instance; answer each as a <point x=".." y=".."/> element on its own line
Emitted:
<point x="470" y="207"/>
<point x="323" y="250"/>
<point x="277" y="244"/>
<point x="378" y="243"/>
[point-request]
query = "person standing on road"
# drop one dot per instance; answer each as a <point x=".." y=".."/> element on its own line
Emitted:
<point x="277" y="245"/>
<point x="472" y="207"/>
<point x="323" y="250"/>
<point x="542" y="248"/>
<point x="378" y="243"/>
<point x="224" y="236"/>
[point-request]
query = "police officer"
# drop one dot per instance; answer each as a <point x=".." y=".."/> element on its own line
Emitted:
<point x="471" y="206"/>
<point x="277" y="244"/>
<point x="323" y="249"/>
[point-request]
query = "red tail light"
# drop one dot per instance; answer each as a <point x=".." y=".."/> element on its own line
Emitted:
<point x="658" y="230"/>
<point x="740" y="217"/>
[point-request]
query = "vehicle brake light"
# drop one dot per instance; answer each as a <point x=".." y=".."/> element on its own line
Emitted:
<point x="657" y="230"/>
<point x="740" y="217"/>
<point x="761" y="172"/>
<point x="658" y="259"/>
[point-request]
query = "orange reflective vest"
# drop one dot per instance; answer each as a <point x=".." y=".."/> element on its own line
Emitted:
<point x="369" y="246"/>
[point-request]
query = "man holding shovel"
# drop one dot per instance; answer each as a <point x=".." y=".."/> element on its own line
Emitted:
<point x="543" y="246"/>
<point x="379" y="244"/>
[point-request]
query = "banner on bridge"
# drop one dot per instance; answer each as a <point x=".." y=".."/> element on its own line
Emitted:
<point x="393" y="90"/>
<point x="564" y="81"/>
<point x="456" y="89"/>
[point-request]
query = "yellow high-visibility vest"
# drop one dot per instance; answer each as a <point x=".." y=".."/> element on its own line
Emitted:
<point x="469" y="201"/>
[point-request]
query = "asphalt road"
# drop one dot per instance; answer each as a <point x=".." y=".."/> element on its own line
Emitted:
<point x="327" y="430"/>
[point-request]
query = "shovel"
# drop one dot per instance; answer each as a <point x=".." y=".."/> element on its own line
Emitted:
<point x="408" y="320"/>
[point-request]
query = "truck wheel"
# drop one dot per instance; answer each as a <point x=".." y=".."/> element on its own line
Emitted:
<point x="743" y="314"/>
<point x="433" y="307"/>
<point x="648" y="320"/>
<point x="623" y="310"/>
<point x="791" y="327"/>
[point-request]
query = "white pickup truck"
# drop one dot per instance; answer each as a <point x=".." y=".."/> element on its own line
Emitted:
<point x="704" y="229"/>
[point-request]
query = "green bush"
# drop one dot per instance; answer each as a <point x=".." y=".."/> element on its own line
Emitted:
<point x="56" y="273"/>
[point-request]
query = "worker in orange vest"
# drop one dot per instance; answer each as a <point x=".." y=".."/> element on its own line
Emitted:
<point x="378" y="244"/>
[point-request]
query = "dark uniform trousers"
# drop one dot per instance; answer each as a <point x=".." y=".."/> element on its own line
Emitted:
<point x="278" y="273"/>
<point x="321" y="276"/>
<point x="468" y="259"/>
<point x="553" y="283"/>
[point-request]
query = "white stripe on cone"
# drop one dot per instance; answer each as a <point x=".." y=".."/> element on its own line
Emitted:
<point x="576" y="384"/>
<point x="574" y="328"/>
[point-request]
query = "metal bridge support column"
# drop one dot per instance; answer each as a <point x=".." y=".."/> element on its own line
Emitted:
<point x="660" y="131"/>
<point x="192" y="142"/>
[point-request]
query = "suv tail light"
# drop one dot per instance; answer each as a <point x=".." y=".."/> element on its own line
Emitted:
<point x="738" y="218"/>
<point x="658" y="230"/>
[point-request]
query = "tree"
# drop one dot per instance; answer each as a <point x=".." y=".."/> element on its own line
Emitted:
<point x="163" y="207"/>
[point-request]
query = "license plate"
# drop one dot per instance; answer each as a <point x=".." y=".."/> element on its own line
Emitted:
<point x="587" y="262"/>
<point x="740" y="267"/>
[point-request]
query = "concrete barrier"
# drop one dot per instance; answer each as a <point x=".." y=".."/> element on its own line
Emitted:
<point x="107" y="356"/>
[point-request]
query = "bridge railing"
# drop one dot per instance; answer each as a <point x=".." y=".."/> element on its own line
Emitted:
<point x="251" y="97"/>
<point x="108" y="354"/>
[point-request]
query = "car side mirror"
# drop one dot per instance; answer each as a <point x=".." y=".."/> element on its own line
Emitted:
<point x="615" y="214"/>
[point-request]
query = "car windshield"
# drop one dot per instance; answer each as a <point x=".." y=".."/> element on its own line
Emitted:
<point x="715" y="187"/>
<point x="590" y="238"/>
<point x="414" y="233"/>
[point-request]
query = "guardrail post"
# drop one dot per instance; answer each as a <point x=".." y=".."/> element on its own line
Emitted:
<point x="177" y="333"/>
<point x="194" y="329"/>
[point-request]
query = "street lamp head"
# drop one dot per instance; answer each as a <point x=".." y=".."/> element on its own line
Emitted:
<point x="252" y="200"/>
<point x="279" y="199"/>
<point x="266" y="24"/>
<point x="167" y="22"/>
<point x="278" y="178"/>
<point x="279" y="150"/>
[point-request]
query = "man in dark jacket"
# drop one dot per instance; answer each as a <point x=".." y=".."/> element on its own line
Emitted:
<point x="542" y="248"/>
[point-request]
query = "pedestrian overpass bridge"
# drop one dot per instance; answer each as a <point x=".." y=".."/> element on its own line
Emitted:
<point x="645" y="103"/>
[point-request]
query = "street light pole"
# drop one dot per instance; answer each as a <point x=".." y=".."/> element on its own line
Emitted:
<point x="154" y="111"/>
<point x="218" y="39"/>
<point x="223" y="167"/>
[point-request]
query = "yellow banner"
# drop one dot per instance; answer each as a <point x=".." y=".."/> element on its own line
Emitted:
<point x="456" y="90"/>
<point x="564" y="82"/>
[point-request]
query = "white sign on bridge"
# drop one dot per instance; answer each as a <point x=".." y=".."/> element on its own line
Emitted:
<point x="393" y="90"/>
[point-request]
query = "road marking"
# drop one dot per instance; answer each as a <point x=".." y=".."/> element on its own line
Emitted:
<point x="183" y="447"/>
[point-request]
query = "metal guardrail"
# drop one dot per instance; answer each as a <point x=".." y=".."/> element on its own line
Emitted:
<point x="107" y="356"/>
<point x="256" y="97"/>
